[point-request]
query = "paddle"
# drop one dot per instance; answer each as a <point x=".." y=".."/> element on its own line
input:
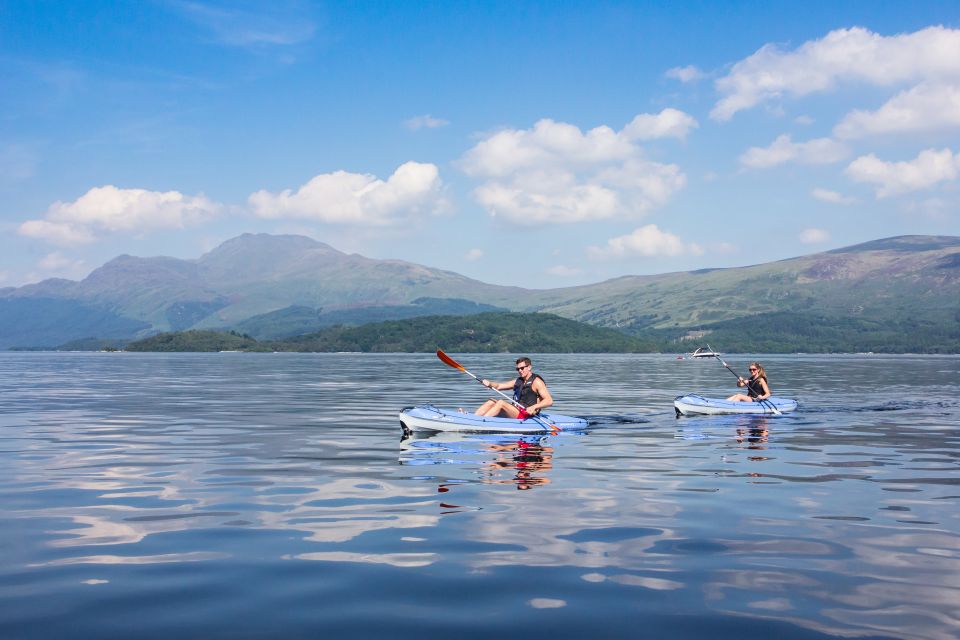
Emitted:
<point x="456" y="365"/>
<point x="765" y="403"/>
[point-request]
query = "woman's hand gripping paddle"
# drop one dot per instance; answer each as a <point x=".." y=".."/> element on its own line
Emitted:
<point x="765" y="403"/>
<point x="523" y="410"/>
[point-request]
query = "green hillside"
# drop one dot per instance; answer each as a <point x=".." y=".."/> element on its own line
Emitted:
<point x="788" y="332"/>
<point x="894" y="295"/>
<point x="196" y="341"/>
<point x="486" y="332"/>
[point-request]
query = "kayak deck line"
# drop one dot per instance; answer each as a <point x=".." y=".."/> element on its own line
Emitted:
<point x="693" y="404"/>
<point x="426" y="417"/>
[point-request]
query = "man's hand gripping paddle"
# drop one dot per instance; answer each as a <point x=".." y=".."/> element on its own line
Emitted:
<point x="523" y="410"/>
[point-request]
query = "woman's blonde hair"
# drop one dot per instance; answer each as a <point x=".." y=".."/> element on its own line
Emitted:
<point x="760" y="371"/>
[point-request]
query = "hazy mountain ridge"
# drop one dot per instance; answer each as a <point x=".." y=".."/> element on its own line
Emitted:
<point x="888" y="277"/>
<point x="247" y="276"/>
<point x="890" y="282"/>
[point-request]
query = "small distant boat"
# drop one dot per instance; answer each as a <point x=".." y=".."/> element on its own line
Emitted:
<point x="427" y="417"/>
<point x="692" y="404"/>
<point x="704" y="352"/>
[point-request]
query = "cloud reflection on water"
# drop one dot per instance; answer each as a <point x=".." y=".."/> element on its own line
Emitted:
<point x="815" y="521"/>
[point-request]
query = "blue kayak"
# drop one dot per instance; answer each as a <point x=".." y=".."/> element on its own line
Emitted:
<point x="692" y="404"/>
<point x="426" y="417"/>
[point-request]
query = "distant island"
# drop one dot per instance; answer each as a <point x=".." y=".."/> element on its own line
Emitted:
<point x="499" y="332"/>
<point x="479" y="333"/>
<point x="196" y="341"/>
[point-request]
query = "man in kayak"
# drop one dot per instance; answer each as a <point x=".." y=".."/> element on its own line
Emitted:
<point x="529" y="390"/>
<point x="757" y="387"/>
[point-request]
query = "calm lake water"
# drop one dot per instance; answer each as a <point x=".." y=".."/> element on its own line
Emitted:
<point x="270" y="495"/>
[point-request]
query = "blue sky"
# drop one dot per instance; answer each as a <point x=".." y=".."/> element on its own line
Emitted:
<point x="539" y="144"/>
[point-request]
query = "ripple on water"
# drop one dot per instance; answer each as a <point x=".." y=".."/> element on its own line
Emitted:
<point x="210" y="495"/>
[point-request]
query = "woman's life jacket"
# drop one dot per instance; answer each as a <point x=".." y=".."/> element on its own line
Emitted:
<point x="754" y="390"/>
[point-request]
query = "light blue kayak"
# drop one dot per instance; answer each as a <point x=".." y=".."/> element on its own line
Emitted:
<point x="426" y="417"/>
<point x="692" y="404"/>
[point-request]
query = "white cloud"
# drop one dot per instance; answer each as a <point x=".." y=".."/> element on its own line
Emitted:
<point x="938" y="209"/>
<point x="555" y="173"/>
<point x="357" y="199"/>
<point x="563" y="271"/>
<point x="814" y="236"/>
<point x="669" y="123"/>
<point x="783" y="149"/>
<point x="425" y="122"/>
<point x="844" y="54"/>
<point x="548" y="145"/>
<point x="474" y="254"/>
<point x="58" y="233"/>
<point x="273" y="24"/>
<point x="724" y="248"/>
<point x="688" y="73"/>
<point x="648" y="242"/>
<point x="926" y="107"/>
<point x="53" y="261"/>
<point x="928" y="169"/>
<point x="803" y="120"/>
<point x="57" y="263"/>
<point x="113" y="210"/>
<point x="546" y="603"/>
<point x="825" y="195"/>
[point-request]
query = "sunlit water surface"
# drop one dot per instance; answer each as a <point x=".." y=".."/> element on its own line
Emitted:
<point x="270" y="495"/>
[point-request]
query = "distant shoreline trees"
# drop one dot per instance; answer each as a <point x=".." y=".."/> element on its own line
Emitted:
<point x="547" y="333"/>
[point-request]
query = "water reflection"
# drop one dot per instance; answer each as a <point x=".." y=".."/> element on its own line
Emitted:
<point x="272" y="483"/>
<point x="522" y="461"/>
<point x="528" y="461"/>
<point x="755" y="434"/>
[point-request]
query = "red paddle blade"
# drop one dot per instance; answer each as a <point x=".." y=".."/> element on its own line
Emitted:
<point x="554" y="429"/>
<point x="448" y="360"/>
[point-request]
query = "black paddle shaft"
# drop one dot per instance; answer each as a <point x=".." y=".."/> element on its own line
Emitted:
<point x="717" y="356"/>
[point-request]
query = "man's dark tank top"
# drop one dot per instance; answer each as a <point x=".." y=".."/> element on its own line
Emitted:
<point x="523" y="391"/>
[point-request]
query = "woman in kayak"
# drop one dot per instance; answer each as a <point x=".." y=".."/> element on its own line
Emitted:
<point x="757" y="387"/>
<point x="529" y="390"/>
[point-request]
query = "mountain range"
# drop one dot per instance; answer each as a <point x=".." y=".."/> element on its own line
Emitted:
<point x="272" y="286"/>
